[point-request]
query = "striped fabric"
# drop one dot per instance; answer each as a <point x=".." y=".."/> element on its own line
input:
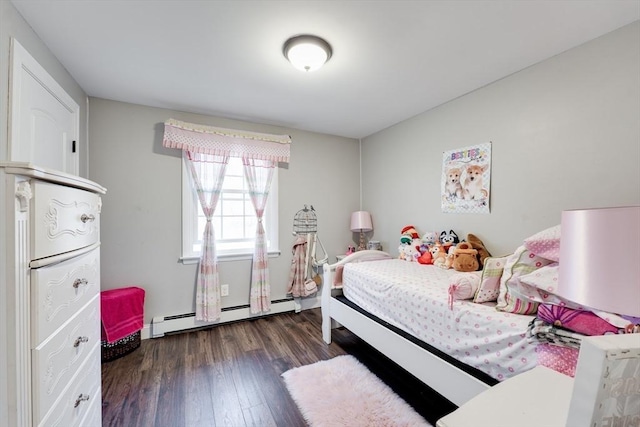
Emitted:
<point x="208" y="281"/>
<point x="208" y="149"/>
<point x="225" y="142"/>
<point x="259" y="174"/>
<point x="489" y="288"/>
<point x="518" y="264"/>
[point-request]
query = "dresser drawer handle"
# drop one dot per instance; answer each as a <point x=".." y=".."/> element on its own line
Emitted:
<point x="80" y="399"/>
<point x="87" y="218"/>
<point x="80" y="340"/>
<point x="78" y="282"/>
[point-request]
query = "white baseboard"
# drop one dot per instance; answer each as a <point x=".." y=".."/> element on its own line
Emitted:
<point x="162" y="325"/>
<point x="145" y="333"/>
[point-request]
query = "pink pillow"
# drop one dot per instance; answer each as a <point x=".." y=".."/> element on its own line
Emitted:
<point x="545" y="244"/>
<point x="463" y="286"/>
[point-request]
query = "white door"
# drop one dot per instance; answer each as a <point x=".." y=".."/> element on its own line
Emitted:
<point x="44" y="118"/>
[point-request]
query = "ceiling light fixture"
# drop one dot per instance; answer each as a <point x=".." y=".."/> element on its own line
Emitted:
<point x="307" y="52"/>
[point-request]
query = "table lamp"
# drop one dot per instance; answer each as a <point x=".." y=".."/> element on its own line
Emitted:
<point x="361" y="222"/>
<point x="600" y="259"/>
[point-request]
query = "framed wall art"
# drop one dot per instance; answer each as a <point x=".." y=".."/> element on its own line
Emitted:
<point x="466" y="179"/>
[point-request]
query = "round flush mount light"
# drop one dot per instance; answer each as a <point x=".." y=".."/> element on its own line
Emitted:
<point x="307" y="52"/>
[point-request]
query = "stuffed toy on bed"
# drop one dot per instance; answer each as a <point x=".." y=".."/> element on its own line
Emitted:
<point x="465" y="258"/>
<point x="477" y="244"/>
<point x="449" y="239"/>
<point x="409" y="252"/>
<point x="439" y="255"/>
<point x="408" y="234"/>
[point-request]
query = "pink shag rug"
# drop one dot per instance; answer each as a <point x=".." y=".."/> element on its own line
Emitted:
<point x="342" y="392"/>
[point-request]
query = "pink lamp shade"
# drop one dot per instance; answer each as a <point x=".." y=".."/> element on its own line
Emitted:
<point x="600" y="259"/>
<point x="361" y="221"/>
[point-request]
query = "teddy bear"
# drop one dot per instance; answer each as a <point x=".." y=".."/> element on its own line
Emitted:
<point x="465" y="258"/>
<point x="477" y="244"/>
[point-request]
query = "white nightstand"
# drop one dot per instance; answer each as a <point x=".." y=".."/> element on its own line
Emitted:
<point x="544" y="397"/>
<point x="539" y="397"/>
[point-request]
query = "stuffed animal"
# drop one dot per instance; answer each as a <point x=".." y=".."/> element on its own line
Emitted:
<point x="477" y="244"/>
<point x="439" y="256"/>
<point x="429" y="238"/>
<point x="409" y="253"/>
<point x="426" y="258"/>
<point x="465" y="258"/>
<point x="449" y="239"/>
<point x="409" y="234"/>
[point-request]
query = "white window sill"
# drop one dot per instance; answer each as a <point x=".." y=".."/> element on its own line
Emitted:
<point x="228" y="257"/>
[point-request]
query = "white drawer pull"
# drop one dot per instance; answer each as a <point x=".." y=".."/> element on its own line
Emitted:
<point x="78" y="282"/>
<point x="87" y="218"/>
<point x="80" y="399"/>
<point x="80" y="340"/>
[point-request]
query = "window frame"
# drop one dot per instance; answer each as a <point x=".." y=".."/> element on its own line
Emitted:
<point x="191" y="208"/>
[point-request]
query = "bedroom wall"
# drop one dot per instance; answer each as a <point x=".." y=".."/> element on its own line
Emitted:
<point x="141" y="228"/>
<point x="13" y="25"/>
<point x="565" y="134"/>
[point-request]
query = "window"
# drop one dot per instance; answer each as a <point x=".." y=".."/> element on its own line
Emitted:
<point x="234" y="220"/>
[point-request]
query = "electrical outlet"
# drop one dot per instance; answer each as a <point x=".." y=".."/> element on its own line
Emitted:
<point x="224" y="290"/>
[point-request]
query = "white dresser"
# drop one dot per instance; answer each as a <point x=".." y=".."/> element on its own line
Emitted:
<point x="50" y="272"/>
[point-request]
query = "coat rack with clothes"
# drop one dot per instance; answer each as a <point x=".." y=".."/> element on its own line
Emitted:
<point x="303" y="277"/>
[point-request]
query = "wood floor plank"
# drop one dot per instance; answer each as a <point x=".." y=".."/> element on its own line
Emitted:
<point x="258" y="416"/>
<point x="230" y="375"/>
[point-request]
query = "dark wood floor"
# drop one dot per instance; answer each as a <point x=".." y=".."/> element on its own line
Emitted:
<point x="229" y="375"/>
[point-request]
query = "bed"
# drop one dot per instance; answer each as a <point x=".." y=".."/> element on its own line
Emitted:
<point x="401" y="309"/>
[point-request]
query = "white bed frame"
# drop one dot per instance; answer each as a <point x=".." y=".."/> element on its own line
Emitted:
<point x="448" y="380"/>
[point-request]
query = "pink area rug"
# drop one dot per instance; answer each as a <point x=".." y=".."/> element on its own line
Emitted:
<point x="342" y="392"/>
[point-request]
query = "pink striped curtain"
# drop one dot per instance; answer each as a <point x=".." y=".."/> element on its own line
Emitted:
<point x="209" y="149"/>
<point x="259" y="174"/>
<point x="207" y="172"/>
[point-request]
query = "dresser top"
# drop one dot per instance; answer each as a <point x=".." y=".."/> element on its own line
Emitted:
<point x="32" y="171"/>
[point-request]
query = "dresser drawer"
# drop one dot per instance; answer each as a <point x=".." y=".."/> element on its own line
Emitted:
<point x="58" y="291"/>
<point x="58" y="358"/>
<point x="63" y="219"/>
<point x="93" y="417"/>
<point x="76" y="403"/>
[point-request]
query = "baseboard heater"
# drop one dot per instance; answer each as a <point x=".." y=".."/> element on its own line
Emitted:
<point x="184" y="322"/>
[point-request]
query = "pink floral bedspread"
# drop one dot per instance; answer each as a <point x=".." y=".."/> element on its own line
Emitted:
<point x="413" y="297"/>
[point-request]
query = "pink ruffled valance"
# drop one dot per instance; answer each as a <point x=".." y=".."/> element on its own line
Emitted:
<point x="226" y="142"/>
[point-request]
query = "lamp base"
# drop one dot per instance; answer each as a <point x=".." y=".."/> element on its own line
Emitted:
<point x="361" y="245"/>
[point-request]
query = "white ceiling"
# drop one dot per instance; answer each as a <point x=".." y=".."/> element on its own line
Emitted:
<point x="391" y="59"/>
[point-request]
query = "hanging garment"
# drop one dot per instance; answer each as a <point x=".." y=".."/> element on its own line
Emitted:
<point x="299" y="285"/>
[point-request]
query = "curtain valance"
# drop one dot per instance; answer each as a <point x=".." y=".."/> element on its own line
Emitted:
<point x="226" y="142"/>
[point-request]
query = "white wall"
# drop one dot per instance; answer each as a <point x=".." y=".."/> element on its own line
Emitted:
<point x="141" y="229"/>
<point x="565" y="134"/>
<point x="13" y="25"/>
